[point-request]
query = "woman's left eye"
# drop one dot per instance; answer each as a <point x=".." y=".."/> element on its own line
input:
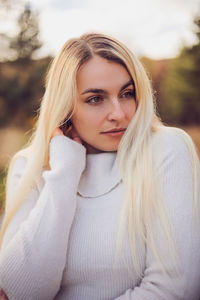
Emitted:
<point x="128" y="94"/>
<point x="94" y="100"/>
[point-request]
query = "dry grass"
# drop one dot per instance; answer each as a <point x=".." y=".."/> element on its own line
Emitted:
<point x="12" y="140"/>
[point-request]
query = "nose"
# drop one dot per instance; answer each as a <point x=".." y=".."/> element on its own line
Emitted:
<point x="116" y="111"/>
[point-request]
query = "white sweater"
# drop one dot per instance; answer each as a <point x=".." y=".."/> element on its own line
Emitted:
<point x="61" y="243"/>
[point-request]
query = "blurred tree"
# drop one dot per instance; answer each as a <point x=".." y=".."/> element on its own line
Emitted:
<point x="2" y="189"/>
<point x="21" y="79"/>
<point x="21" y="88"/>
<point x="180" y="90"/>
<point x="27" y="41"/>
<point x="6" y="4"/>
<point x="9" y="12"/>
<point x="157" y="70"/>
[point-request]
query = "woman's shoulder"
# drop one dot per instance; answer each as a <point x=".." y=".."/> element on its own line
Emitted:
<point x="19" y="160"/>
<point x="172" y="142"/>
<point x="18" y="166"/>
<point x="171" y="136"/>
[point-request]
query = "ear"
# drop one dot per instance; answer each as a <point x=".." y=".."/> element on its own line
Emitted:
<point x="69" y="123"/>
<point x="66" y="125"/>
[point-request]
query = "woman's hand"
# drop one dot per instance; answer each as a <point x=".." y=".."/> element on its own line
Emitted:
<point x="73" y="134"/>
<point x="3" y="295"/>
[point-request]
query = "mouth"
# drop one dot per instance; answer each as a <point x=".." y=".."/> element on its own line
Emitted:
<point x="114" y="132"/>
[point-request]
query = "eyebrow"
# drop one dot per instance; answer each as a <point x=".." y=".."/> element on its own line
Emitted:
<point x="100" y="91"/>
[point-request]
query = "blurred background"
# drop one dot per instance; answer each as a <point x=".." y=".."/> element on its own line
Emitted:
<point x="164" y="34"/>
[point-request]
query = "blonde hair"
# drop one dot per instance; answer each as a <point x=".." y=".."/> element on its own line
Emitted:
<point x="143" y="196"/>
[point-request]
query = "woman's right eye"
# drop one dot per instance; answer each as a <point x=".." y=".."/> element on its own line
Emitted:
<point x="94" y="100"/>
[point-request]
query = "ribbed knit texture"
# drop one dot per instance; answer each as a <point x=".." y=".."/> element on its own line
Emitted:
<point x="61" y="243"/>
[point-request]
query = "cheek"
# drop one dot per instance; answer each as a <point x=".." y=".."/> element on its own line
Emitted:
<point x="87" y="119"/>
<point x="130" y="110"/>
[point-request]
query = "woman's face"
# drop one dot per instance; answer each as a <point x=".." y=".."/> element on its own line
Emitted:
<point x="105" y="106"/>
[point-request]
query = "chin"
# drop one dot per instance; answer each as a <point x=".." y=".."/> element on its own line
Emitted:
<point x="109" y="148"/>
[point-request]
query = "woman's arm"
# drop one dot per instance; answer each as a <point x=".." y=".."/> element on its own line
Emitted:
<point x="178" y="195"/>
<point x="33" y="257"/>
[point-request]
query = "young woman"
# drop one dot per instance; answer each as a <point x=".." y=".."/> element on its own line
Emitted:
<point x="103" y="202"/>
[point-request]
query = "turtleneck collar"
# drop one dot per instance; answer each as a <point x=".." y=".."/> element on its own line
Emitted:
<point x="100" y="176"/>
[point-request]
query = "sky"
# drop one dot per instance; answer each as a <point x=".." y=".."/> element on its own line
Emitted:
<point x="154" y="28"/>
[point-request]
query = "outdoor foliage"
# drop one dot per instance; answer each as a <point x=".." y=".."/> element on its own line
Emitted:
<point x="180" y="89"/>
<point x="21" y="77"/>
<point x="21" y="88"/>
<point x="2" y="188"/>
<point x="26" y="42"/>
<point x="176" y="82"/>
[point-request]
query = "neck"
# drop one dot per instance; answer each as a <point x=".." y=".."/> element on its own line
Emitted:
<point x="91" y="150"/>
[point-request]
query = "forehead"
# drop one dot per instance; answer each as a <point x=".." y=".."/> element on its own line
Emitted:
<point x="101" y="73"/>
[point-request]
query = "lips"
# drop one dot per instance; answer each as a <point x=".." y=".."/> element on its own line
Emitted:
<point x="114" y="133"/>
<point x="114" y="130"/>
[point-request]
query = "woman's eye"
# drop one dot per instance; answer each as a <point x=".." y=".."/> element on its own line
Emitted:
<point x="128" y="94"/>
<point x="94" y="100"/>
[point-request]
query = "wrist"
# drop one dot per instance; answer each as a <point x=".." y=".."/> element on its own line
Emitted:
<point x="65" y="151"/>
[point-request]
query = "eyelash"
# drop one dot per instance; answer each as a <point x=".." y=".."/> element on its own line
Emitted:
<point x="127" y="94"/>
<point x="130" y="94"/>
<point x="90" y="100"/>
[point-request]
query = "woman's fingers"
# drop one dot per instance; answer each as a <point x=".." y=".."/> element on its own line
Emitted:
<point x="75" y="136"/>
<point x="3" y="295"/>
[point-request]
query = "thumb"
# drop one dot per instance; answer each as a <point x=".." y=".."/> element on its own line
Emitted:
<point x="3" y="295"/>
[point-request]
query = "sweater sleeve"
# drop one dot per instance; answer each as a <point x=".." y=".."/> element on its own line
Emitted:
<point x="33" y="254"/>
<point x="178" y="196"/>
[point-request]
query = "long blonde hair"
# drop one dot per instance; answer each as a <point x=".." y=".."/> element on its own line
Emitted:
<point x="143" y="197"/>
